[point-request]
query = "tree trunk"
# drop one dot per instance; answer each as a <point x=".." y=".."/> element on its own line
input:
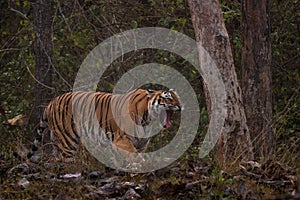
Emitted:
<point x="256" y="74"/>
<point x="42" y="10"/>
<point x="210" y="32"/>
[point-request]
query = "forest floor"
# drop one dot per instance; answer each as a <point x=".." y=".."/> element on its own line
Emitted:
<point x="187" y="178"/>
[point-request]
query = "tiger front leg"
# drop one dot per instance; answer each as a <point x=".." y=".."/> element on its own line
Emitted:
<point x="127" y="151"/>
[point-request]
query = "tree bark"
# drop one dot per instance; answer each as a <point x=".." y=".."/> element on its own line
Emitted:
<point x="42" y="10"/>
<point x="256" y="74"/>
<point x="210" y="32"/>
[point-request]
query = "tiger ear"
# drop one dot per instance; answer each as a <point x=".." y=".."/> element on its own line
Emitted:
<point x="171" y="90"/>
<point x="149" y="93"/>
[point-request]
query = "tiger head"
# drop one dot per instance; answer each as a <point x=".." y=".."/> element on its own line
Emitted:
<point x="163" y="104"/>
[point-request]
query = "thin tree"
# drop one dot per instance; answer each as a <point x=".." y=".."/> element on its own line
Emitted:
<point x="42" y="12"/>
<point x="256" y="74"/>
<point x="210" y="33"/>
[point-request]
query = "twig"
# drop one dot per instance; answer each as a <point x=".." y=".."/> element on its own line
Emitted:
<point x="19" y="12"/>
<point x="276" y="182"/>
<point x="9" y="49"/>
<point x="64" y="18"/>
<point x="285" y="109"/>
<point x="46" y="86"/>
<point x="43" y="48"/>
<point x="250" y="174"/>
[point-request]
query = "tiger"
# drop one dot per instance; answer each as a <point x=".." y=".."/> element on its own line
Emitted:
<point x="72" y="114"/>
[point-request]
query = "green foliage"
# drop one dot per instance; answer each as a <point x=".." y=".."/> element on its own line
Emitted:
<point x="230" y="10"/>
<point x="286" y="78"/>
<point x="79" y="26"/>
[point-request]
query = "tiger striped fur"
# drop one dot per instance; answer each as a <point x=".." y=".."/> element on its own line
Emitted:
<point x="144" y="107"/>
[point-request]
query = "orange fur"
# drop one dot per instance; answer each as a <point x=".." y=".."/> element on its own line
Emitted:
<point x="61" y="111"/>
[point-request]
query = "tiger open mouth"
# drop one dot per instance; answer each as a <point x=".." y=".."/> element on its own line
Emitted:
<point x="167" y="118"/>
